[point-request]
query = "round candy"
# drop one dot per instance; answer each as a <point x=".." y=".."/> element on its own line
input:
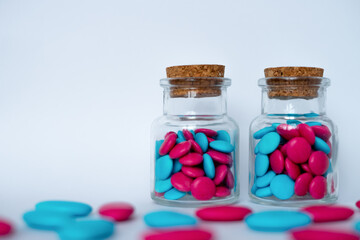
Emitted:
<point x="259" y="134"/>
<point x="202" y="140"/>
<point x="168" y="133"/>
<point x="321" y="145"/>
<point x="161" y="219"/>
<point x="203" y="188"/>
<point x="209" y="166"/>
<point x="269" y="142"/>
<point x="317" y="187"/>
<point x="187" y="134"/>
<point x="222" y="146"/>
<point x="162" y="186"/>
<point x="168" y="144"/>
<point x="277" y="162"/>
<point x="261" y="164"/>
<point x="306" y="168"/>
<point x="181" y="137"/>
<point x="287" y="131"/>
<point x="223" y="213"/>
<point x="195" y="146"/>
<point x="318" y="163"/>
<point x="174" y="194"/>
<point x="177" y="166"/>
<point x="117" y="211"/>
<point x="181" y="182"/>
<point x="277" y="221"/>
<point x="283" y="150"/>
<point x="256" y="149"/>
<point x="322" y="132"/>
<point x="220" y="157"/>
<point x="358" y="204"/>
<point x="307" y="133"/>
<point x="87" y="229"/>
<point x="328" y="213"/>
<point x="158" y="144"/>
<point x="263" y="192"/>
<point x="282" y="186"/>
<point x="207" y="132"/>
<point x="221" y="172"/>
<point x="223" y="135"/>
<point x="193" y="172"/>
<point x="222" y="191"/>
<point x="210" y="139"/>
<point x="5" y="227"/>
<point x="316" y="234"/>
<point x="302" y="184"/>
<point x="229" y="180"/>
<point x="292" y="169"/>
<point x="180" y="234"/>
<point x="163" y="167"/>
<point x="76" y="209"/>
<point x="180" y="150"/>
<point x="298" y="150"/>
<point x="191" y="159"/>
<point x="265" y="180"/>
<point x="47" y="220"/>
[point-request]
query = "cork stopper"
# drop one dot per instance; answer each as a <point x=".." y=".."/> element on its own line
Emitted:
<point x="195" y="80"/>
<point x="304" y="83"/>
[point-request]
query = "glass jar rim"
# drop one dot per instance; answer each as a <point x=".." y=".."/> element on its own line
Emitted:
<point x="313" y="81"/>
<point x="186" y="81"/>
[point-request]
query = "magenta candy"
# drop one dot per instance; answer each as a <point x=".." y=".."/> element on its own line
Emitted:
<point x="329" y="213"/>
<point x="179" y="234"/>
<point x="277" y="162"/>
<point x="207" y="132"/>
<point x="117" y="211"/>
<point x="187" y="134"/>
<point x="283" y="150"/>
<point x="318" y="162"/>
<point x="307" y="133"/>
<point x="358" y="204"/>
<point x="168" y="133"/>
<point x="220" y="157"/>
<point x="317" y="187"/>
<point x="298" y="150"/>
<point x="306" y="168"/>
<point x="5" y="227"/>
<point x="203" y="188"/>
<point x="223" y="213"/>
<point x="222" y="191"/>
<point x="210" y="139"/>
<point x="221" y="172"/>
<point x="322" y="132"/>
<point x="330" y="146"/>
<point x="293" y="170"/>
<point x="191" y="159"/>
<point x="180" y="150"/>
<point x="318" y="234"/>
<point x="302" y="184"/>
<point x="181" y="182"/>
<point x="287" y="131"/>
<point x="229" y="180"/>
<point x="168" y="143"/>
<point x="195" y="146"/>
<point x="193" y="172"/>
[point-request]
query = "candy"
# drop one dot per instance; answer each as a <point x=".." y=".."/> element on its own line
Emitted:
<point x="277" y="162"/>
<point x="321" y="145"/>
<point x="177" y="166"/>
<point x="187" y="134"/>
<point x="265" y="180"/>
<point x="195" y="146"/>
<point x="328" y="213"/>
<point x="302" y="184"/>
<point x="222" y="146"/>
<point x="223" y="135"/>
<point x="317" y="187"/>
<point x="193" y="172"/>
<point x="293" y="122"/>
<point x="318" y="163"/>
<point x="181" y="182"/>
<point x="316" y="234"/>
<point x="203" y="188"/>
<point x="207" y="132"/>
<point x="76" y="209"/>
<point x="47" y="220"/>
<point x="269" y="142"/>
<point x="191" y="159"/>
<point x="117" y="211"/>
<point x="298" y="150"/>
<point x="313" y="124"/>
<point x="158" y="144"/>
<point x="287" y="131"/>
<point x="220" y="174"/>
<point x="357" y="226"/>
<point x="210" y="139"/>
<point x="181" y="137"/>
<point x="260" y="133"/>
<point x="163" y="167"/>
<point x="261" y="164"/>
<point x="229" y="180"/>
<point x="358" y="204"/>
<point x="87" y="229"/>
<point x="220" y="157"/>
<point x="163" y="219"/>
<point x="174" y="194"/>
<point x="180" y="150"/>
<point x="222" y="191"/>
<point x="256" y="149"/>
<point x="223" y="213"/>
<point x="292" y="169"/>
<point x="263" y="192"/>
<point x="282" y="186"/>
<point x="306" y="168"/>
<point x="202" y="140"/>
<point x="180" y="234"/>
<point x="275" y="125"/>
<point x="322" y="132"/>
<point x="168" y="144"/>
<point x="162" y="186"/>
<point x="209" y="166"/>
<point x="5" y="227"/>
<point x="307" y="133"/>
<point x="277" y="221"/>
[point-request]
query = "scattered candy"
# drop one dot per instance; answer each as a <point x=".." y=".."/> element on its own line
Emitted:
<point x="328" y="213"/>
<point x="47" y="220"/>
<point x="358" y="204"/>
<point x="180" y="234"/>
<point x="76" y="209"/>
<point x="117" y="211"/>
<point x="163" y="219"/>
<point x="87" y="229"/>
<point x="223" y="213"/>
<point x="316" y="234"/>
<point x="5" y="227"/>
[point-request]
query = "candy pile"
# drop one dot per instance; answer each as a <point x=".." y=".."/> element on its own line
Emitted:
<point x="292" y="158"/>
<point x="194" y="162"/>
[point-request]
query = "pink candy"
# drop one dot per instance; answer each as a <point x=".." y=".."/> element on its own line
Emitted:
<point x="187" y="134"/>
<point x="292" y="169"/>
<point x="287" y="131"/>
<point x="317" y="234"/>
<point x="5" y="227"/>
<point x="302" y="184"/>
<point x="222" y="191"/>
<point x="203" y="188"/>
<point x="193" y="172"/>
<point x="168" y="144"/>
<point x="179" y="234"/>
<point x="191" y="159"/>
<point x="317" y="187"/>
<point x="181" y="182"/>
<point x="223" y="213"/>
<point x="221" y="172"/>
<point x="277" y="162"/>
<point x="195" y="146"/>
<point x="180" y="150"/>
<point x="117" y="211"/>
<point x="207" y="132"/>
<point x="298" y="150"/>
<point x="229" y="180"/>
<point x="318" y="163"/>
<point x="307" y="133"/>
<point x="322" y="132"/>
<point x="220" y="157"/>
<point x="328" y="213"/>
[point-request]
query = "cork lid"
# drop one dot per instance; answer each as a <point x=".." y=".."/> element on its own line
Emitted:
<point x="293" y="82"/>
<point x="196" y="80"/>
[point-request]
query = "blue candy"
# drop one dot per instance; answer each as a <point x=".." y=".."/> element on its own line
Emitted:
<point x="174" y="194"/>
<point x="357" y="226"/>
<point x="163" y="167"/>
<point x="223" y="135"/>
<point x="259" y="134"/>
<point x="202" y="140"/>
<point x="75" y="209"/>
<point x="277" y="221"/>
<point x="157" y="148"/>
<point x="222" y="146"/>
<point x="87" y="229"/>
<point x="177" y="166"/>
<point x="263" y="192"/>
<point x="163" y="185"/>
<point x="209" y="167"/>
<point x="254" y="188"/>
<point x="261" y="164"/>
<point x="163" y="219"/>
<point x="193" y="133"/>
<point x="308" y="115"/>
<point x="293" y="122"/>
<point x="256" y="150"/>
<point x="269" y="142"/>
<point x="265" y="180"/>
<point x="321" y="145"/>
<point x="180" y="138"/>
<point x="46" y="220"/>
<point x="313" y="124"/>
<point x="282" y="186"/>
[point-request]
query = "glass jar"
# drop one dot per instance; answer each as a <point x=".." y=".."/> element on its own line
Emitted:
<point x="195" y="154"/>
<point x="293" y="144"/>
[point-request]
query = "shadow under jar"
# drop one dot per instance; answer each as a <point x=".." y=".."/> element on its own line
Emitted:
<point x="195" y="155"/>
<point x="293" y="144"/>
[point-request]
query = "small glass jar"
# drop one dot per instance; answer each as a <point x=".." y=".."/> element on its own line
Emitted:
<point x="293" y="144"/>
<point x="195" y="154"/>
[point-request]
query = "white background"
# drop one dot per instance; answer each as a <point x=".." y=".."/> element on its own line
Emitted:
<point x="79" y="88"/>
